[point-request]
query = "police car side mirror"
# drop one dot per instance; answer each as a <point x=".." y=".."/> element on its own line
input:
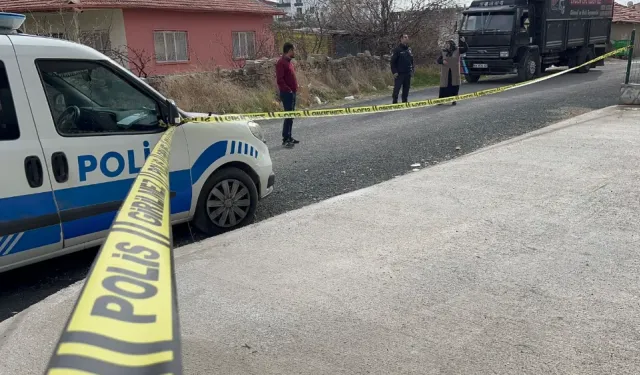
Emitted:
<point x="174" y="114"/>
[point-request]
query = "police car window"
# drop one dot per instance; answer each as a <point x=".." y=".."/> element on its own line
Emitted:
<point x="88" y="98"/>
<point x="9" y="129"/>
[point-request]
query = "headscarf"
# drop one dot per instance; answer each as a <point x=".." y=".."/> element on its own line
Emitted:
<point x="451" y="47"/>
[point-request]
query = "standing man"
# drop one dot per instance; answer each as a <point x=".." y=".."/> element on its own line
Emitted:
<point x="402" y="69"/>
<point x="288" y="85"/>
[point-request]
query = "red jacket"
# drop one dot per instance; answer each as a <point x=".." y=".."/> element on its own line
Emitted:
<point x="286" y="75"/>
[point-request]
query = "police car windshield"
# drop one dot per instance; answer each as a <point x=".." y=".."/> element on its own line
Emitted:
<point x="484" y="22"/>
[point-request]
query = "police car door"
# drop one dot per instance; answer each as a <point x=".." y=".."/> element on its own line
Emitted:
<point x="28" y="215"/>
<point x="97" y="126"/>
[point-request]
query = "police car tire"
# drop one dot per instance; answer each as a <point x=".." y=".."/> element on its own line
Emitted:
<point x="201" y="218"/>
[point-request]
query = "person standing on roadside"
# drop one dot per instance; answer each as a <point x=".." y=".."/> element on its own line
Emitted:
<point x="402" y="69"/>
<point x="449" y="62"/>
<point x="288" y="86"/>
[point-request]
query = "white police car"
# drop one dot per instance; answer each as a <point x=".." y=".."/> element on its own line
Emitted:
<point x="75" y="129"/>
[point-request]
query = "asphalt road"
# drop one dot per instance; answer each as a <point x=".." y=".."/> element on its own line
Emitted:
<point x="342" y="154"/>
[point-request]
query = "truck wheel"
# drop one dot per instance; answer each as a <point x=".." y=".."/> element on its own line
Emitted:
<point x="227" y="201"/>
<point x="471" y="78"/>
<point x="528" y="69"/>
<point x="585" y="69"/>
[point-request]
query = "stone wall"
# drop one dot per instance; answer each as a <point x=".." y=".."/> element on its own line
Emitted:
<point x="630" y="94"/>
<point x="257" y="72"/>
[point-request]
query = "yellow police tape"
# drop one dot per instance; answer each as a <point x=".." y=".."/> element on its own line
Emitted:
<point x="126" y="318"/>
<point x="385" y="107"/>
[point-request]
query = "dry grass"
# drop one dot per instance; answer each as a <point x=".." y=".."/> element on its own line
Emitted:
<point x="211" y="93"/>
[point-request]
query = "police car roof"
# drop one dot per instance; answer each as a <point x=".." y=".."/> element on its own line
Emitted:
<point x="55" y="47"/>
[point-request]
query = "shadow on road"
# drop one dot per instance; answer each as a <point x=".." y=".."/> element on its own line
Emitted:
<point x="41" y="280"/>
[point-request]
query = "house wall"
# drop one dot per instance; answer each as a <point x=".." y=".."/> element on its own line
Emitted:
<point x="622" y="31"/>
<point x="209" y="37"/>
<point x="110" y="21"/>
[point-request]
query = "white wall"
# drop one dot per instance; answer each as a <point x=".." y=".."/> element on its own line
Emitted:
<point x="109" y="21"/>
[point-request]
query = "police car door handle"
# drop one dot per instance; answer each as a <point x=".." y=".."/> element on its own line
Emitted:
<point x="60" y="167"/>
<point x="33" y="171"/>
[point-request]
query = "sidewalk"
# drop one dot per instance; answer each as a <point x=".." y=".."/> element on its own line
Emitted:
<point x="521" y="258"/>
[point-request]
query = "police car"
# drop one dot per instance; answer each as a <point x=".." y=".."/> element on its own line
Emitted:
<point x="75" y="129"/>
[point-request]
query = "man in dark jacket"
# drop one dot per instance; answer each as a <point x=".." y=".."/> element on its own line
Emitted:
<point x="402" y="69"/>
<point x="288" y="85"/>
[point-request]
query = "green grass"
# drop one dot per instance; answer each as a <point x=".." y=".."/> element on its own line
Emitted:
<point x="424" y="76"/>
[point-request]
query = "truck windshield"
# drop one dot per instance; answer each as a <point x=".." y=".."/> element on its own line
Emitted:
<point x="488" y="22"/>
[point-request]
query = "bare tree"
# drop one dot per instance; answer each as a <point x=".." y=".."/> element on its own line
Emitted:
<point x="138" y="60"/>
<point x="64" y="24"/>
<point x="309" y="32"/>
<point x="379" y="23"/>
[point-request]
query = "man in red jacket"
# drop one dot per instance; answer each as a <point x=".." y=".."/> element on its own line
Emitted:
<point x="287" y="84"/>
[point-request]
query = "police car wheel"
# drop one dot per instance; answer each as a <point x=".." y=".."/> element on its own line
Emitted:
<point x="227" y="201"/>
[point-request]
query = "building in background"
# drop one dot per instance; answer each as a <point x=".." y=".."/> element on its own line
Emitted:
<point x="160" y="36"/>
<point x="625" y="19"/>
<point x="298" y="8"/>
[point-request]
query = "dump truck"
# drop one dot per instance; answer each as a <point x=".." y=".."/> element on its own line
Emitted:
<point x="525" y="37"/>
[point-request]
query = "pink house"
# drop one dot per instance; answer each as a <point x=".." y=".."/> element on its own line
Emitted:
<point x="153" y="37"/>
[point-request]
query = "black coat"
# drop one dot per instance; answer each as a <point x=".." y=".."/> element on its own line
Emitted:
<point x="402" y="60"/>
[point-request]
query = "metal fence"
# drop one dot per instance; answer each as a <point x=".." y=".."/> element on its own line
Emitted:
<point x="632" y="55"/>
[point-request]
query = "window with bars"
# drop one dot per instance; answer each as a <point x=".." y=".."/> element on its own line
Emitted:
<point x="244" y="45"/>
<point x="171" y="46"/>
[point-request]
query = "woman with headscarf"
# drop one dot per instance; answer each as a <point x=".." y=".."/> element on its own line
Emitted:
<point x="449" y="62"/>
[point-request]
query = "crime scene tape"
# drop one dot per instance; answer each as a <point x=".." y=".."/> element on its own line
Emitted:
<point x="314" y="113"/>
<point x="126" y="318"/>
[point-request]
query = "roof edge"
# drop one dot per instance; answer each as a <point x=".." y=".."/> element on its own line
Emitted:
<point x="49" y="8"/>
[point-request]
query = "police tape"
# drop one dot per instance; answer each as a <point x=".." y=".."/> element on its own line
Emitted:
<point x="386" y="107"/>
<point x="126" y="318"/>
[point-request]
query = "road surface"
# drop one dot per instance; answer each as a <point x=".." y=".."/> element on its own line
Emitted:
<point x="342" y="154"/>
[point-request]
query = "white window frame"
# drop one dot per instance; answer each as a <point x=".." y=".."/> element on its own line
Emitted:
<point x="243" y="37"/>
<point x="171" y="34"/>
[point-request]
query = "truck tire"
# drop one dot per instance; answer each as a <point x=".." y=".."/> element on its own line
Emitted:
<point x="585" y="57"/>
<point x="471" y="78"/>
<point x="529" y="67"/>
<point x="227" y="201"/>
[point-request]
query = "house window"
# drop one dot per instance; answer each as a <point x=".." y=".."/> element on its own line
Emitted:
<point x="299" y="11"/>
<point x="98" y="40"/>
<point x="171" y="46"/>
<point x="244" y="45"/>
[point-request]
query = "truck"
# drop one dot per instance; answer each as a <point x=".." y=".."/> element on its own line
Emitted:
<point x="525" y="37"/>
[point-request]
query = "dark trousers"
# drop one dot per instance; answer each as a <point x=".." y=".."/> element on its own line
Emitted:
<point x="450" y="90"/>
<point x="402" y="80"/>
<point x="289" y="104"/>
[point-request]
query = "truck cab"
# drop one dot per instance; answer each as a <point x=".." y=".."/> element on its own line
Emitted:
<point x="525" y="37"/>
<point x="75" y="130"/>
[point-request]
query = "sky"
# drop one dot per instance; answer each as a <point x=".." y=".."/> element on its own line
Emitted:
<point x="468" y="2"/>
